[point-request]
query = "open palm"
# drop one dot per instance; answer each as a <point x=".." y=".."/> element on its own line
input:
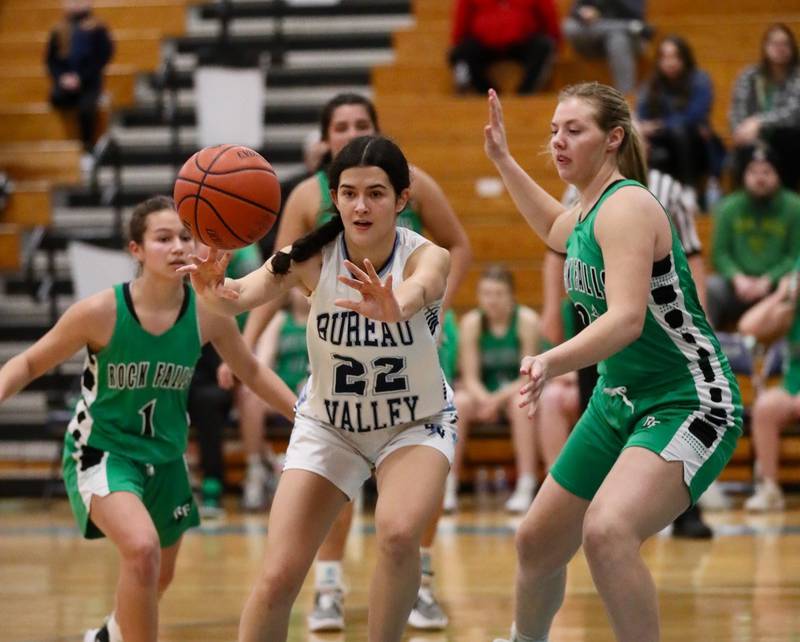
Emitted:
<point x="495" y="144"/>
<point x="208" y="274"/>
<point x="377" y="299"/>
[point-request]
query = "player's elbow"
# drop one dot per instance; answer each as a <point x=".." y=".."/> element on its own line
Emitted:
<point x="629" y="324"/>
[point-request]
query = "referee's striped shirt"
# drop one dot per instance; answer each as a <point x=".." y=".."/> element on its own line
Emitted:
<point x="681" y="203"/>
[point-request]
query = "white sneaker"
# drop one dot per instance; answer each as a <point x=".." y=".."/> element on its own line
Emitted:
<point x="427" y="613"/>
<point x="715" y="499"/>
<point x="328" y="611"/>
<point x="768" y="497"/>
<point x="450" y="502"/>
<point x="87" y="164"/>
<point x="521" y="498"/>
<point x="254" y="493"/>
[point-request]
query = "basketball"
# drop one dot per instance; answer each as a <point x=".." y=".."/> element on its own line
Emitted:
<point x="227" y="196"/>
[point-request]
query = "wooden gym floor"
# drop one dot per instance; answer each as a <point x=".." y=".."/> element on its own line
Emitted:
<point x="743" y="585"/>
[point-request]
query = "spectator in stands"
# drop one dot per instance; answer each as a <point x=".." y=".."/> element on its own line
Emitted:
<point x="210" y="400"/>
<point x="776" y="408"/>
<point x="485" y="31"/>
<point x="756" y="240"/>
<point x="283" y="347"/>
<point x="492" y="339"/>
<point x="612" y="29"/>
<point x="766" y="104"/>
<point x="673" y="108"/>
<point x="78" y="50"/>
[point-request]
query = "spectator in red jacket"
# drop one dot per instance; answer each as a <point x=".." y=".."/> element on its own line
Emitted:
<point x="488" y="30"/>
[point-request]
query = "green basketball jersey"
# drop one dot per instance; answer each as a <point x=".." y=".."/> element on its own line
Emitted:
<point x="408" y="217"/>
<point x="448" y="346"/>
<point x="134" y="391"/>
<point x="291" y="358"/>
<point x="677" y="351"/>
<point x="500" y="356"/>
<point x="791" y="374"/>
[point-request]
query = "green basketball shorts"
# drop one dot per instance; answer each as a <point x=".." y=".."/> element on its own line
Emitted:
<point x="673" y="425"/>
<point x="163" y="488"/>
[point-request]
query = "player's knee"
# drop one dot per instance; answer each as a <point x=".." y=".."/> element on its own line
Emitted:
<point x="536" y="556"/>
<point x="529" y="540"/>
<point x="396" y="540"/>
<point x="605" y="535"/>
<point x="767" y="402"/>
<point x="278" y="585"/>
<point x="142" y="556"/>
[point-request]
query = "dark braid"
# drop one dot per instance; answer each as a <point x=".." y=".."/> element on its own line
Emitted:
<point x="307" y="246"/>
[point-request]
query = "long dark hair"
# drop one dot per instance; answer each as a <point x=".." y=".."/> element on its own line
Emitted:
<point x="339" y="100"/>
<point x="658" y="85"/>
<point x="764" y="65"/>
<point x="364" y="151"/>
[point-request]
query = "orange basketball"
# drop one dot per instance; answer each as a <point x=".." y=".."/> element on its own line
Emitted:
<point x="227" y="196"/>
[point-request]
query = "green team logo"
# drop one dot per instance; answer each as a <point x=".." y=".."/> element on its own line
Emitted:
<point x="584" y="278"/>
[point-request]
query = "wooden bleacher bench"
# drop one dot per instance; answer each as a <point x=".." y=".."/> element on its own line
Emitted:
<point x="131" y="47"/>
<point x="57" y="161"/>
<point x="35" y="122"/>
<point x="168" y="15"/>
<point x="25" y="85"/>
<point x="10" y="247"/>
<point x="29" y="205"/>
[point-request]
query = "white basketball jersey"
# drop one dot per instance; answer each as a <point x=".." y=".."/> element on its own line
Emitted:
<point x="368" y="375"/>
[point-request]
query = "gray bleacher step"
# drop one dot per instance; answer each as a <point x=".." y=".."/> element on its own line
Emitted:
<point x="280" y="96"/>
<point x="330" y="25"/>
<point x="164" y="175"/>
<point x="144" y="136"/>
<point x="342" y="58"/>
<point x="18" y="308"/>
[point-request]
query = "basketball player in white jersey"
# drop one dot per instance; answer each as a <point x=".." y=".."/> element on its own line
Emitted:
<point x="376" y="398"/>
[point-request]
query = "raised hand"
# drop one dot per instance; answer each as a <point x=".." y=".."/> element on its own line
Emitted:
<point x="534" y="368"/>
<point x="208" y="274"/>
<point x="495" y="144"/>
<point x="377" y="299"/>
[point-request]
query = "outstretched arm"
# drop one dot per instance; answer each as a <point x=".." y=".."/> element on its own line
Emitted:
<point x="79" y="326"/>
<point x="229" y="297"/>
<point x="538" y="208"/>
<point x="424" y="284"/>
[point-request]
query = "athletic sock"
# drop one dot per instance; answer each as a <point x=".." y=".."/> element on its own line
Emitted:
<point x="328" y="575"/>
<point x="114" y="634"/>
<point x="254" y="460"/>
<point x="516" y="636"/>
<point x="426" y="566"/>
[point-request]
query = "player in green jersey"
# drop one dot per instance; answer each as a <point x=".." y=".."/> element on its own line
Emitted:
<point x="123" y="458"/>
<point x="776" y="408"/>
<point x="343" y="118"/>
<point x="493" y="338"/>
<point x="665" y="415"/>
